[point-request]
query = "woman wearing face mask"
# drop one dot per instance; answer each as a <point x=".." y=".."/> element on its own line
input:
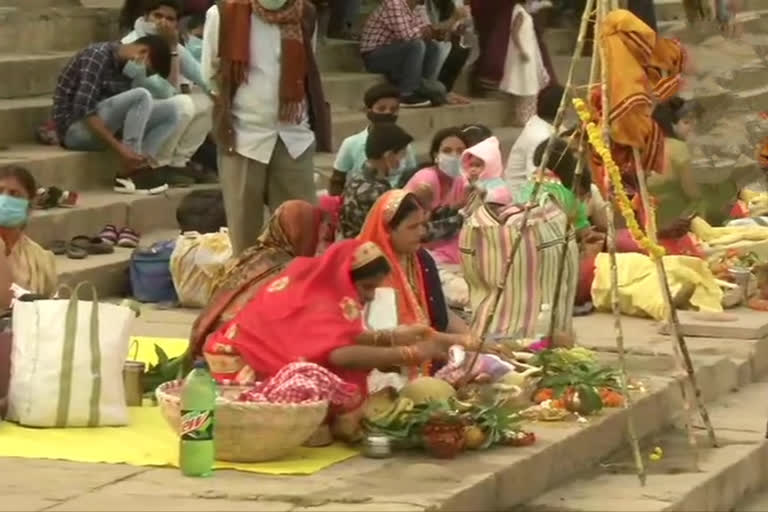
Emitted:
<point x="442" y="190"/>
<point x="31" y="266"/>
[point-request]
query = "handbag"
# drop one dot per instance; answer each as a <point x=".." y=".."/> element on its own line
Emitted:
<point x="485" y="243"/>
<point x="67" y="362"/>
<point x="150" y="272"/>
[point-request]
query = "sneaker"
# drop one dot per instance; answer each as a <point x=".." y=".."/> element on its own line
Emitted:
<point x="414" y="101"/>
<point x="176" y="177"/>
<point x="146" y="182"/>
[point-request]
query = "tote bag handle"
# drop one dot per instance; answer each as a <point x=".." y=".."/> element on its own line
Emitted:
<point x="68" y="356"/>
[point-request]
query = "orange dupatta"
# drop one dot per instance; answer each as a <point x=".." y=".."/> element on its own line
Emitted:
<point x="411" y="293"/>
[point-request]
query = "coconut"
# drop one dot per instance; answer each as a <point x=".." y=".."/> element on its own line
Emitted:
<point x="426" y="389"/>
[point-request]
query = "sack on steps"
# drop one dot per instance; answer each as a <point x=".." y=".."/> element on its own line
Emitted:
<point x="197" y="263"/>
<point x="67" y="362"/>
<point x="485" y="244"/>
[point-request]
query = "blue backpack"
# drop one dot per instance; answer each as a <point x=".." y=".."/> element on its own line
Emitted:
<point x="150" y="271"/>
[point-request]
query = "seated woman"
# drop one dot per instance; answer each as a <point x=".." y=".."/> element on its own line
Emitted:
<point x="397" y="224"/>
<point x="313" y="311"/>
<point x="32" y="267"/>
<point x="292" y="231"/>
<point x="442" y="189"/>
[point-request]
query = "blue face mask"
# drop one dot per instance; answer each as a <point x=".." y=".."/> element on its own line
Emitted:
<point x="450" y="165"/>
<point x="135" y="70"/>
<point x="195" y="47"/>
<point x="272" y="5"/>
<point x="13" y="211"/>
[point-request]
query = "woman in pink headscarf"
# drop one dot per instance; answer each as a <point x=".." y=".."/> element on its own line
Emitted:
<point x="482" y="166"/>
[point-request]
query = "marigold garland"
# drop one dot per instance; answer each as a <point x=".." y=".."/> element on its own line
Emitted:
<point x="653" y="249"/>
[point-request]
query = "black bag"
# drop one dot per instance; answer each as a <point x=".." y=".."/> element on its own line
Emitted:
<point x="202" y="211"/>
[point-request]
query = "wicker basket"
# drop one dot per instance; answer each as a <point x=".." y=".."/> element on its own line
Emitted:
<point x="249" y="431"/>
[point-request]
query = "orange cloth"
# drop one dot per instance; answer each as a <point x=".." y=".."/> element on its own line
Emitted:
<point x="406" y="276"/>
<point x="762" y="154"/>
<point x="641" y="67"/>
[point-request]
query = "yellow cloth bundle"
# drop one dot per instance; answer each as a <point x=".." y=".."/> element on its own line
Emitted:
<point x="639" y="289"/>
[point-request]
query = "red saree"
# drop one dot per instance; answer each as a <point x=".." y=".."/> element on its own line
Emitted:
<point x="306" y="312"/>
<point x="291" y="231"/>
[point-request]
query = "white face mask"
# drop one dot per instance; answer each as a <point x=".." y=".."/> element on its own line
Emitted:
<point x="144" y="27"/>
<point x="449" y="164"/>
<point x="273" y="5"/>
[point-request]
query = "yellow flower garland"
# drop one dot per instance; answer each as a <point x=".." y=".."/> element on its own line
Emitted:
<point x="595" y="136"/>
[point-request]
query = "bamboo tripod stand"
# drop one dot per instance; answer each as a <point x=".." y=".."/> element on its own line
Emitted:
<point x="596" y="11"/>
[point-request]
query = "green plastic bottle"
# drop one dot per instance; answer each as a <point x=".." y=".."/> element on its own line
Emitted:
<point x="198" y="399"/>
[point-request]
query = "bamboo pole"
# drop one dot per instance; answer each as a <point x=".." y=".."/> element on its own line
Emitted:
<point x="610" y="214"/>
<point x="486" y="322"/>
<point x="682" y="356"/>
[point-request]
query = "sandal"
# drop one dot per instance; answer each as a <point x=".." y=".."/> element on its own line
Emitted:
<point x="109" y="234"/>
<point x="46" y="198"/>
<point x="128" y="238"/>
<point x="68" y="199"/>
<point x="92" y="245"/>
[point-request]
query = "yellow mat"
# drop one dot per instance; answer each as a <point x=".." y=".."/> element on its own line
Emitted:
<point x="143" y="348"/>
<point x="148" y="441"/>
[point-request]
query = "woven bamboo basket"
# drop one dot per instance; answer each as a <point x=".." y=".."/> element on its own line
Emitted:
<point x="249" y="431"/>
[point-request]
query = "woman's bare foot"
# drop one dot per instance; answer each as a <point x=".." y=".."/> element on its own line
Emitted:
<point x="457" y="99"/>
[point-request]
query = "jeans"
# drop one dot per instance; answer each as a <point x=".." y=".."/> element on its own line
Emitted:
<point x="404" y="63"/>
<point x="145" y="123"/>
<point x="195" y="120"/>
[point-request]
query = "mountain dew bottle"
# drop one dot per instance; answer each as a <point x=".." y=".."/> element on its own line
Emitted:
<point x="198" y="398"/>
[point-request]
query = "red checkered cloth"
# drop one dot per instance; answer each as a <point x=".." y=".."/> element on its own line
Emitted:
<point x="390" y="22"/>
<point x="298" y="383"/>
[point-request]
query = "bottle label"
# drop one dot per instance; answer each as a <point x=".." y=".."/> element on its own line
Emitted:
<point x="196" y="425"/>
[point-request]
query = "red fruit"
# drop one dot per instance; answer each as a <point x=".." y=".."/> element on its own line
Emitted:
<point x="520" y="439"/>
<point x="443" y="441"/>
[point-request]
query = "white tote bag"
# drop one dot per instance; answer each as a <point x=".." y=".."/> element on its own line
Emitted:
<point x="67" y="362"/>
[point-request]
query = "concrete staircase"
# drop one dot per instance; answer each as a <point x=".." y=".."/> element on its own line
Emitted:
<point x="573" y="467"/>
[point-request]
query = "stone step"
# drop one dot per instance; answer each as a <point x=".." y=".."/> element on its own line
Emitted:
<point x="95" y="209"/>
<point x="107" y="272"/>
<point x="31" y="74"/>
<point x="39" y="3"/>
<point x="725" y="475"/>
<point x="756" y="502"/>
<point x="669" y="10"/>
<point x="19" y="118"/>
<point x="70" y="170"/>
<point x="32" y="29"/>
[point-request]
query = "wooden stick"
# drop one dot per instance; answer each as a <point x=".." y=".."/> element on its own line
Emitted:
<point x="486" y="322"/>
<point x="617" y="325"/>
<point x="681" y="348"/>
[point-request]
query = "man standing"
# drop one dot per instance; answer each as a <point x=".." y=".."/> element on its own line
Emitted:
<point x="270" y="111"/>
<point x="194" y="109"/>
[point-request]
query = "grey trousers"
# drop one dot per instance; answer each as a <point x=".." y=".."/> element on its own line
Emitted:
<point x="248" y="186"/>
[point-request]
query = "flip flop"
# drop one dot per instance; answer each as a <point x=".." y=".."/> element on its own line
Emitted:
<point x="92" y="245"/>
<point x="58" y="247"/>
<point x="75" y="252"/>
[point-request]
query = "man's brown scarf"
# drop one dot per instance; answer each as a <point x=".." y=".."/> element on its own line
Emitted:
<point x="235" y="58"/>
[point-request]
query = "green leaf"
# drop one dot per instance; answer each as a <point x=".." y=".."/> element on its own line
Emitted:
<point x="162" y="357"/>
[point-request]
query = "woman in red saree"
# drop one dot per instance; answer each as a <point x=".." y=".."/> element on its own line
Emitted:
<point x="292" y="231"/>
<point x="397" y="224"/>
<point x="313" y="312"/>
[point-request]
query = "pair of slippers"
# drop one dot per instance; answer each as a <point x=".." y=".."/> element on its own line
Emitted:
<point x="54" y="197"/>
<point x="80" y="247"/>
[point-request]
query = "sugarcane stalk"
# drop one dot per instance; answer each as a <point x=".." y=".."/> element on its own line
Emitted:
<point x="682" y="355"/>
<point x="532" y="201"/>
<point x="614" y="272"/>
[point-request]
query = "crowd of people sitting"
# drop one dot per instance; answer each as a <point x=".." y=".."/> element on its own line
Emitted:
<point x="245" y="75"/>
